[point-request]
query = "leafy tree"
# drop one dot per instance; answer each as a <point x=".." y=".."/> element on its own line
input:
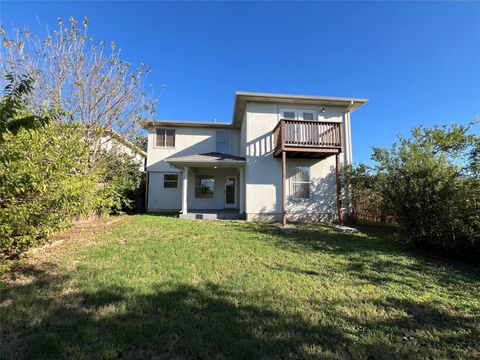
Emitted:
<point x="89" y="81"/>
<point x="47" y="176"/>
<point x="13" y="114"/>
<point x="141" y="141"/>
<point x="430" y="182"/>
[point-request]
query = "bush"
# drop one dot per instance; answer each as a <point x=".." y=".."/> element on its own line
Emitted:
<point x="49" y="173"/>
<point x="430" y="183"/>
<point x="122" y="179"/>
<point x="45" y="182"/>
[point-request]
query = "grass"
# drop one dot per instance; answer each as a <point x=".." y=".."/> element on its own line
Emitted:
<point x="159" y="287"/>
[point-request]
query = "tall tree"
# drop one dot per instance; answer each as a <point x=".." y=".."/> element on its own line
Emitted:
<point x="87" y="80"/>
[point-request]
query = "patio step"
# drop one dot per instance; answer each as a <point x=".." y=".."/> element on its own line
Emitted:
<point x="221" y="215"/>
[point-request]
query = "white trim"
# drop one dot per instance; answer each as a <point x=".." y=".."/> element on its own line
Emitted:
<point x="298" y="109"/>
<point x="167" y="188"/>
<point x="349" y="131"/>
<point x="213" y="198"/>
<point x="298" y="116"/>
<point x="165" y="147"/>
<point x="184" y="190"/>
<point x="291" y="183"/>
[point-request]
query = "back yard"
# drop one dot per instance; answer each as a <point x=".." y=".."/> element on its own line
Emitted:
<point x="152" y="286"/>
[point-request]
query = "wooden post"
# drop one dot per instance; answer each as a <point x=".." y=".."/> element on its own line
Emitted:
<point x="284" y="188"/>
<point x="339" y="191"/>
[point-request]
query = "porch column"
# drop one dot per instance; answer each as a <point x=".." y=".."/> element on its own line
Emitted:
<point x="184" y="190"/>
<point x="242" y="191"/>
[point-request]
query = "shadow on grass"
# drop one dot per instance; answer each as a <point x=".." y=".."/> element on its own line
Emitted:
<point x="46" y="317"/>
<point x="207" y="321"/>
<point x="374" y="256"/>
<point x="175" y="320"/>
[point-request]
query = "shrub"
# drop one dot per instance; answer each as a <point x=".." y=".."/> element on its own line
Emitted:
<point x="122" y="180"/>
<point x="430" y="183"/>
<point x="45" y="182"/>
<point x="48" y="174"/>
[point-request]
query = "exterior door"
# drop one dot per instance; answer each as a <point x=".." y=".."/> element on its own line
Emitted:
<point x="230" y="192"/>
<point x="294" y="132"/>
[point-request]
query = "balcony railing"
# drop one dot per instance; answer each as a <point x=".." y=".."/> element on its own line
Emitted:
<point x="302" y="134"/>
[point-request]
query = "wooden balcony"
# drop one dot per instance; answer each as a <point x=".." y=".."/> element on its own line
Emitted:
<point x="307" y="139"/>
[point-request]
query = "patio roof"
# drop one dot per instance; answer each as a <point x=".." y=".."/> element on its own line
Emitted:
<point x="212" y="158"/>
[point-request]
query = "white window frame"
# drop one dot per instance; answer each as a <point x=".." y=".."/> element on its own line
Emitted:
<point x="298" y="111"/>
<point x="195" y="187"/>
<point x="174" y="138"/>
<point x="229" y="142"/>
<point x="293" y="182"/>
<point x="171" y="188"/>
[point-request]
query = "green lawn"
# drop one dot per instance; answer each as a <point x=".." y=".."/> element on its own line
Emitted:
<point x="160" y="287"/>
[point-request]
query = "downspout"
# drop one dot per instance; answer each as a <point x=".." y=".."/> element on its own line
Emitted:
<point x="348" y="136"/>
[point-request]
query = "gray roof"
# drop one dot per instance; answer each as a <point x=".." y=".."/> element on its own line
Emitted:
<point x="242" y="98"/>
<point x="212" y="157"/>
<point x="182" y="123"/>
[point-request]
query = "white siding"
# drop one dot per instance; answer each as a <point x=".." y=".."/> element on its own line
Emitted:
<point x="111" y="144"/>
<point x="161" y="199"/>
<point x="188" y="141"/>
<point x="263" y="175"/>
<point x="264" y="172"/>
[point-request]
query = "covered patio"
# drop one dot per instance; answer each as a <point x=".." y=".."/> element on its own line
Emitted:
<point x="213" y="185"/>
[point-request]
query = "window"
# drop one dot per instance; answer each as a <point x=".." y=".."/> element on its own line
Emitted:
<point x="300" y="183"/>
<point x="223" y="141"/>
<point x="170" y="181"/>
<point x="299" y="114"/>
<point x="204" y="186"/>
<point x="165" y="137"/>
<point x="307" y="115"/>
<point x="295" y="131"/>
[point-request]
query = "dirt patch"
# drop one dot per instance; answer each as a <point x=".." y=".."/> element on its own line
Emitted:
<point x="45" y="258"/>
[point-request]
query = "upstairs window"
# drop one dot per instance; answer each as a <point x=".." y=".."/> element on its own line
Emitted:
<point x="223" y="141"/>
<point x="300" y="183"/>
<point x="165" y="137"/>
<point x="299" y="114"/>
<point x="307" y="115"/>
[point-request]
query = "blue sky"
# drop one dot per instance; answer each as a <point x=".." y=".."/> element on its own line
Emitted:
<point x="418" y="63"/>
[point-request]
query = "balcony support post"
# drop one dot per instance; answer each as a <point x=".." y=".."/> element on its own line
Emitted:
<point x="339" y="190"/>
<point x="284" y="188"/>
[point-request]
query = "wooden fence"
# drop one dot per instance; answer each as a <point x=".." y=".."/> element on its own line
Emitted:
<point x="364" y="211"/>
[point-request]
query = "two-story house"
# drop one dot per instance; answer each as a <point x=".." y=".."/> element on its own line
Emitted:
<point x="278" y="159"/>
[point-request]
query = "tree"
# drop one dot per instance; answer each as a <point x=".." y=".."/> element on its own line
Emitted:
<point x="430" y="182"/>
<point x="13" y="114"/>
<point x="88" y="81"/>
